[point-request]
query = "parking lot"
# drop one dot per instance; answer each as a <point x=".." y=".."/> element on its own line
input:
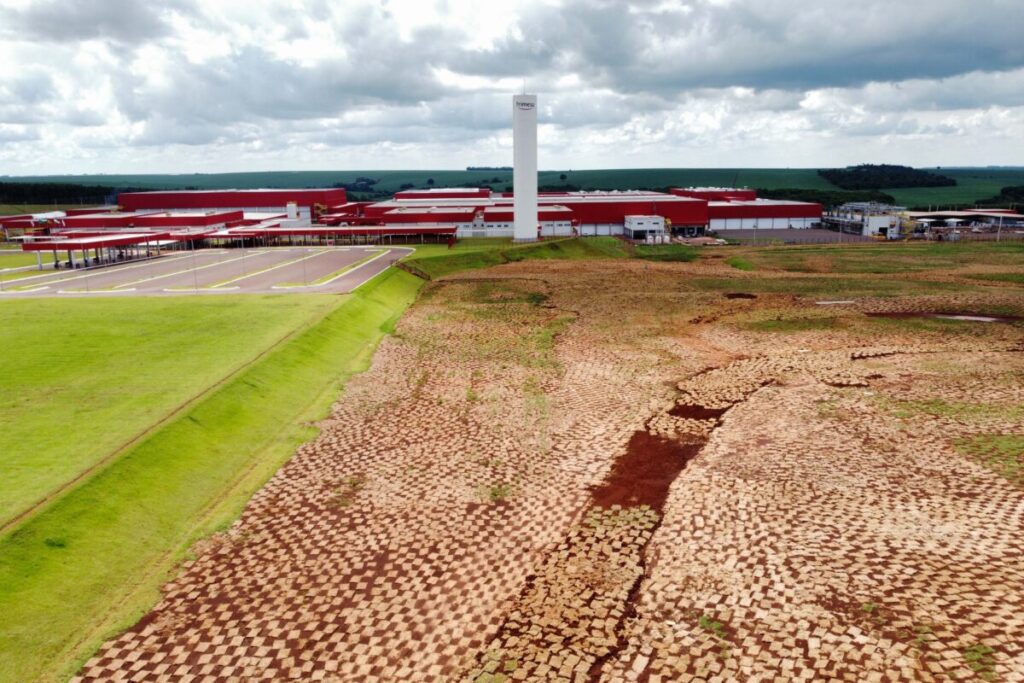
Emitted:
<point x="218" y="271"/>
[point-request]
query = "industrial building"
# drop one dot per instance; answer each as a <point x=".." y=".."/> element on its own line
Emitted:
<point x="480" y="212"/>
<point x="441" y="213"/>
<point x="308" y="201"/>
<point x="869" y="219"/>
<point x="883" y="221"/>
<point x="173" y="218"/>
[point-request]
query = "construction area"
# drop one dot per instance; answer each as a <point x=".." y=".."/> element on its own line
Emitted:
<point x="711" y="474"/>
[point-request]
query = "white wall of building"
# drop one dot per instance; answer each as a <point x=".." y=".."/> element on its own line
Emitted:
<point x="547" y="229"/>
<point x="592" y="229"/>
<point x="524" y="166"/>
<point x="302" y="211"/>
<point x="760" y="223"/>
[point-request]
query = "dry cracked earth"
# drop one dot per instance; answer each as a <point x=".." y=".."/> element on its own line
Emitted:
<point x="603" y="472"/>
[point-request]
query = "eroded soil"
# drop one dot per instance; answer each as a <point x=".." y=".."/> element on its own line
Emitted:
<point x="602" y="472"/>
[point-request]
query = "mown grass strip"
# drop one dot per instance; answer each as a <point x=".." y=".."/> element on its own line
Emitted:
<point x="666" y="252"/>
<point x="9" y="258"/>
<point x="436" y="264"/>
<point x="740" y="263"/>
<point x="91" y="563"/>
<point x="82" y="379"/>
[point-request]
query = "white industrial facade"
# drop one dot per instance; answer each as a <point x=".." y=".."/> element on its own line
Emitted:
<point x="646" y="228"/>
<point x="761" y="223"/>
<point x="505" y="229"/>
<point x="524" y="166"/>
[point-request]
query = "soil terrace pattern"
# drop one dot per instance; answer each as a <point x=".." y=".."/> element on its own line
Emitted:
<point x="807" y="509"/>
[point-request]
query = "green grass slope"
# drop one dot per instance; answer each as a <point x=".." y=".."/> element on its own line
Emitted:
<point x="81" y="377"/>
<point x="438" y="261"/>
<point x="91" y="562"/>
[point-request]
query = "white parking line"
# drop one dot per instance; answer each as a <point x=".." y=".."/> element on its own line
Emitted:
<point x="267" y="270"/>
<point x="24" y="291"/>
<point x="100" y="270"/>
<point x="343" y="273"/>
<point x="382" y="270"/>
<point x="190" y="270"/>
<point x="94" y="291"/>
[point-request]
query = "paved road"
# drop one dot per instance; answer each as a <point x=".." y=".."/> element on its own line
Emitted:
<point x="218" y="271"/>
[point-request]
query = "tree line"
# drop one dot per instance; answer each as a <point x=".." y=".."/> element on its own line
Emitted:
<point x="56" y="193"/>
<point x="877" y="176"/>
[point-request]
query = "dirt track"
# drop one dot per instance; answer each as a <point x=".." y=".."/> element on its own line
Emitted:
<point x="550" y="475"/>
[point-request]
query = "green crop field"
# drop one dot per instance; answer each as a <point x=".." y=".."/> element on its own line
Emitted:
<point x="972" y="183"/>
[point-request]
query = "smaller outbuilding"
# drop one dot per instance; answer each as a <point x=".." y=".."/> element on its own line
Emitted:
<point x="645" y="229"/>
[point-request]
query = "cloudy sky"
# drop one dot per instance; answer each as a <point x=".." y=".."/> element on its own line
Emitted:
<point x="134" y="86"/>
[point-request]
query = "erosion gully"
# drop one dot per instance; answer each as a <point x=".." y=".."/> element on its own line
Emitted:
<point x="570" y="619"/>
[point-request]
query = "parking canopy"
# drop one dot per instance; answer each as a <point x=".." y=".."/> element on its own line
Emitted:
<point x="94" y="242"/>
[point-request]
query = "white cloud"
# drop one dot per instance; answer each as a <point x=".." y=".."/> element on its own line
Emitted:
<point x="121" y="86"/>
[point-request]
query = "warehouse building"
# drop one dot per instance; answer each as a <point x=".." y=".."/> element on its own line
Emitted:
<point x="473" y="212"/>
<point x="480" y="212"/>
<point x="309" y="202"/>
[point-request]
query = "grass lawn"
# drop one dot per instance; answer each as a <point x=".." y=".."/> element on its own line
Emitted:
<point x="825" y="287"/>
<point x="438" y="260"/>
<point x="880" y="259"/>
<point x="740" y="263"/>
<point x="667" y="252"/>
<point x="11" y="258"/>
<point x="91" y="561"/>
<point x="82" y="377"/>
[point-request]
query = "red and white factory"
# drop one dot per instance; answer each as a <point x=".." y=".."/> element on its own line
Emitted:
<point x="167" y="217"/>
<point x="480" y="212"/>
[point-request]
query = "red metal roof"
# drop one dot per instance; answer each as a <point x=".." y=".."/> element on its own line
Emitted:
<point x="764" y="208"/>
<point x="95" y="242"/>
<point x="723" y="194"/>
<point x="229" y="199"/>
<point x="445" y="193"/>
<point x="151" y="220"/>
<point x="343" y="230"/>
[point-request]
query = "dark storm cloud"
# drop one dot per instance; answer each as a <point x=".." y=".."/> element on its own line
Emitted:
<point x="120" y="21"/>
<point x="254" y="83"/>
<point x="661" y="48"/>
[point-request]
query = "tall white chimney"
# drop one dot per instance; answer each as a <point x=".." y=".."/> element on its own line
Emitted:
<point x="524" y="166"/>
